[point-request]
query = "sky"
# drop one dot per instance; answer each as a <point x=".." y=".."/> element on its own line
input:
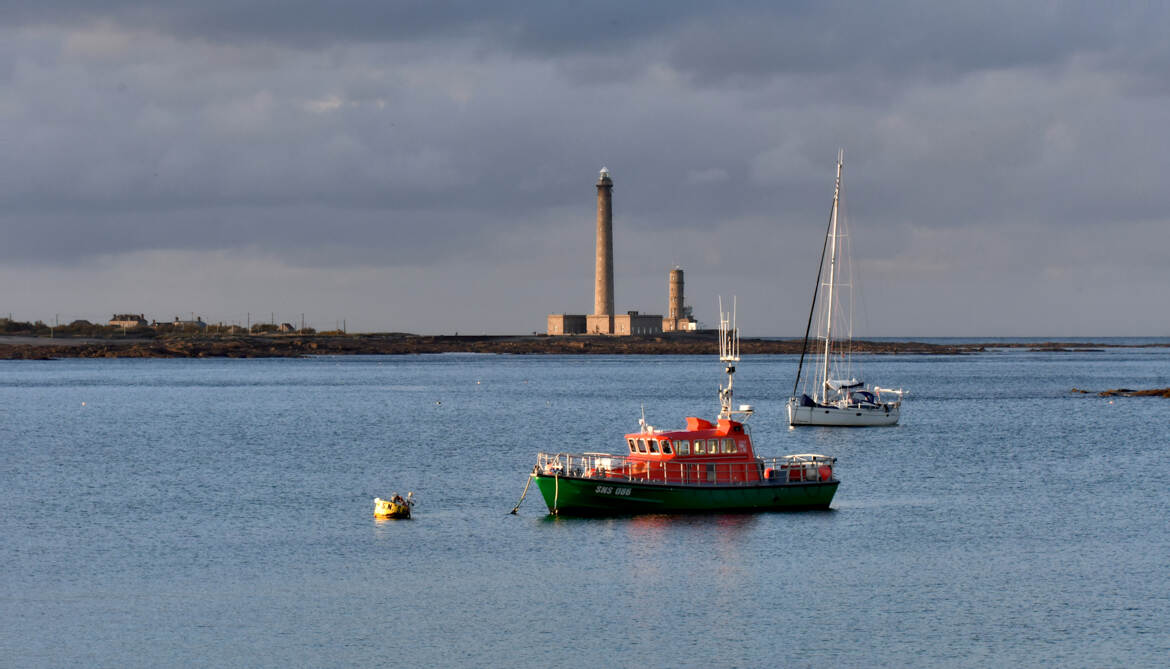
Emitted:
<point x="429" y="166"/>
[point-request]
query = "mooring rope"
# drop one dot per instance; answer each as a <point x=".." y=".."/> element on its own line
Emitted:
<point x="523" y="494"/>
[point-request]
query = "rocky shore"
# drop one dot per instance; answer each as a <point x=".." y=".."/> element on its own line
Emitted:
<point x="1127" y="392"/>
<point x="292" y="346"/>
<point x="26" y="348"/>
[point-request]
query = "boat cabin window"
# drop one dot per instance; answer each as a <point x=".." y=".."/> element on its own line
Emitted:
<point x="641" y="445"/>
<point x="653" y="445"/>
<point x="683" y="446"/>
<point x="666" y="446"/>
<point x="632" y="447"/>
<point x="728" y="445"/>
<point x="699" y="450"/>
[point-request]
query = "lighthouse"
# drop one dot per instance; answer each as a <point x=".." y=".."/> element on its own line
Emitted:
<point x="601" y="320"/>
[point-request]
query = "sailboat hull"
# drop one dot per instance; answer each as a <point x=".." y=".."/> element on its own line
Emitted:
<point x="883" y="414"/>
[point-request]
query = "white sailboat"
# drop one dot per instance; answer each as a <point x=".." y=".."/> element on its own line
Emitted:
<point x="831" y="394"/>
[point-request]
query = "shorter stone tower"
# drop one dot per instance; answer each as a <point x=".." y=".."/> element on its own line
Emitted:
<point x="674" y="305"/>
<point x="678" y="315"/>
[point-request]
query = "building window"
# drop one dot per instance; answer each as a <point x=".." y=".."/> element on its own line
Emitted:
<point x="666" y="446"/>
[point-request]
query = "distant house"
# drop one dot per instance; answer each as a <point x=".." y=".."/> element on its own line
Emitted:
<point x="196" y="324"/>
<point x="286" y="327"/>
<point x="128" y="321"/>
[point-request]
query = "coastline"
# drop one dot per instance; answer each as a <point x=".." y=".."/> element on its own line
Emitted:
<point x="294" y="346"/>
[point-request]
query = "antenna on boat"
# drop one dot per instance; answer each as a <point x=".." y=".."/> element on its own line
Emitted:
<point x="729" y="353"/>
<point x="643" y="426"/>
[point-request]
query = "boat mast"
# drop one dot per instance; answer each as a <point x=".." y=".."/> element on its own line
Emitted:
<point x="832" y="267"/>
<point x="729" y="353"/>
<point x="813" y="305"/>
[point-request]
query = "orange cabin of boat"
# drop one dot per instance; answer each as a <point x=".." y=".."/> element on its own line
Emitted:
<point x="702" y="453"/>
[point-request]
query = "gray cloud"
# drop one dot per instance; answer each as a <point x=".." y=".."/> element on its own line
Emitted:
<point x="704" y="38"/>
<point x="424" y="137"/>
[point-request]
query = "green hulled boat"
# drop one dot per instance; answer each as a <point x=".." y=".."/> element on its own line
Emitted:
<point x="575" y="493"/>
<point x="704" y="467"/>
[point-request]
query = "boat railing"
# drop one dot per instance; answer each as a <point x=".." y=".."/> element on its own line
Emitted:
<point x="805" y="468"/>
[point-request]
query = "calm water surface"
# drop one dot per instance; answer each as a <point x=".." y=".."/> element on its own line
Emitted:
<point x="219" y="513"/>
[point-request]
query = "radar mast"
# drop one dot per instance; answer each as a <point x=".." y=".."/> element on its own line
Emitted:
<point x="729" y="353"/>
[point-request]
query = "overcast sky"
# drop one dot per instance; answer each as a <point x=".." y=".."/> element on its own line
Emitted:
<point x="430" y="166"/>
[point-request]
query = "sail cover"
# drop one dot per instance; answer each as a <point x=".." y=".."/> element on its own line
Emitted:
<point x="863" y="397"/>
<point x="837" y="384"/>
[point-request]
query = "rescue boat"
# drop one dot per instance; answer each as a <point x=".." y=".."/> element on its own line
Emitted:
<point x="703" y="467"/>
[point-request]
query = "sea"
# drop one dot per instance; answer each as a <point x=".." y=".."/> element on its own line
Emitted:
<point x="214" y="512"/>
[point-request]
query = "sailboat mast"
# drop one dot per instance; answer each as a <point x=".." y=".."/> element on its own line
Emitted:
<point x="832" y="268"/>
<point x="804" y="350"/>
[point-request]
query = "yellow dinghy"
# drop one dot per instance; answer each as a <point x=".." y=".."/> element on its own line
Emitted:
<point x="395" y="507"/>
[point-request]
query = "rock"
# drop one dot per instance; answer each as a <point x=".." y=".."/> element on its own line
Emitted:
<point x="1126" y="392"/>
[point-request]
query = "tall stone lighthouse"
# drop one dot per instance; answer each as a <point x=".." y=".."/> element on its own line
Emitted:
<point x="601" y="320"/>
